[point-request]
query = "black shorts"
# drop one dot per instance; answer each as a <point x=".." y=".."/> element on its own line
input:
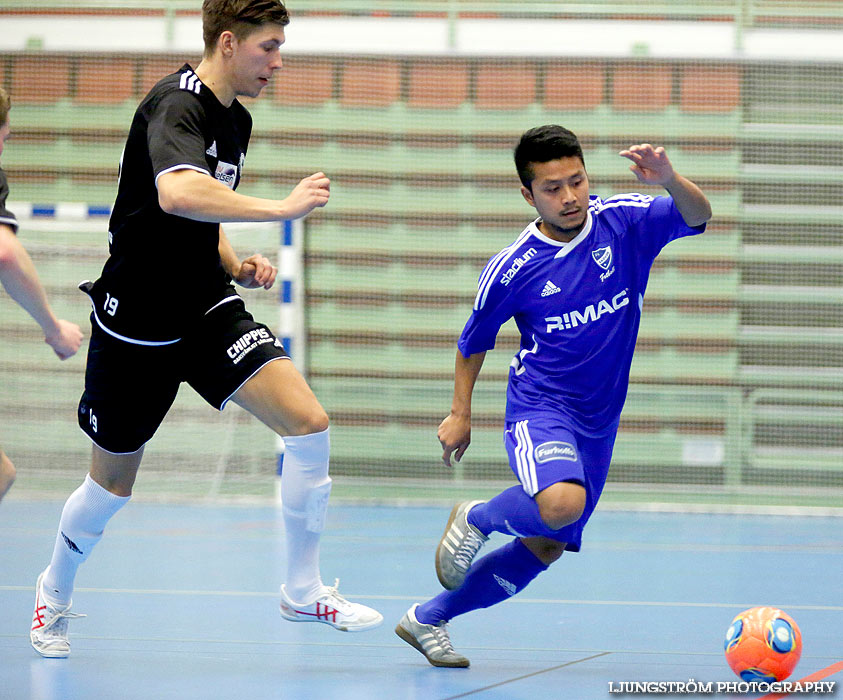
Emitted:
<point x="129" y="388"/>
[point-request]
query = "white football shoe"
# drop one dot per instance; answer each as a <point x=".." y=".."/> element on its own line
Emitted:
<point x="332" y="609"/>
<point x="49" y="626"/>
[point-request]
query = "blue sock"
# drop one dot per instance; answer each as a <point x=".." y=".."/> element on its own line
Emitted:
<point x="495" y="577"/>
<point x="511" y="512"/>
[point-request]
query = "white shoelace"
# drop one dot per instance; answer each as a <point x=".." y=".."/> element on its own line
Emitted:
<point x="467" y="550"/>
<point x="56" y="627"/>
<point x="440" y="634"/>
<point x="331" y="591"/>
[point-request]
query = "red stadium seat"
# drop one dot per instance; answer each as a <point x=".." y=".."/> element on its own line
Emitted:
<point x="642" y="88"/>
<point x="573" y="86"/>
<point x="438" y="84"/>
<point x="505" y="85"/>
<point x="105" y="80"/>
<point x="710" y="89"/>
<point x="40" y="79"/>
<point x="304" y="81"/>
<point x="370" y="83"/>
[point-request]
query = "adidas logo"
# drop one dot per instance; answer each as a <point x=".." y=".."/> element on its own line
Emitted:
<point x="506" y="585"/>
<point x="212" y="151"/>
<point x="190" y="81"/>
<point x="549" y="289"/>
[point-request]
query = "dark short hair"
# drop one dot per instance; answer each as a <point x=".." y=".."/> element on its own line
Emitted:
<point x="241" y="17"/>
<point x="542" y="144"/>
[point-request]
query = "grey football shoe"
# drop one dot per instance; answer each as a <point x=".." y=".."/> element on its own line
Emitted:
<point x="431" y="640"/>
<point x="458" y="546"/>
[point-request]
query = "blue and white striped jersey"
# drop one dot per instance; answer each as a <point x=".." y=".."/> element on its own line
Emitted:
<point x="577" y="306"/>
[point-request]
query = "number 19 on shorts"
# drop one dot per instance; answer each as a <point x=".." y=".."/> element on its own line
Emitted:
<point x="110" y="305"/>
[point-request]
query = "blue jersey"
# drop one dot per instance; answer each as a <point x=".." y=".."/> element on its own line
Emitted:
<point x="577" y="306"/>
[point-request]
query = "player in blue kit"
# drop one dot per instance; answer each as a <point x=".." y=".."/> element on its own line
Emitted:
<point x="574" y="282"/>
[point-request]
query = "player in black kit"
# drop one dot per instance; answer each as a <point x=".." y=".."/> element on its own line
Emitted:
<point x="165" y="312"/>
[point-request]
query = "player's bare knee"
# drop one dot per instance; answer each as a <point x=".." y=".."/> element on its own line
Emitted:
<point x="316" y="421"/>
<point x="319" y="421"/>
<point x="546" y="550"/>
<point x="558" y="516"/>
<point x="561" y="504"/>
<point x="115" y="473"/>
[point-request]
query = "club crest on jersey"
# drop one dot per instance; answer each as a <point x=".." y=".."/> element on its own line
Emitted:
<point x="603" y="258"/>
<point x="226" y="173"/>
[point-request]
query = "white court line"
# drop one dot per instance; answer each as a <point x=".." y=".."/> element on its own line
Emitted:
<point x="517" y="601"/>
<point x="355" y="644"/>
<point x="605" y="546"/>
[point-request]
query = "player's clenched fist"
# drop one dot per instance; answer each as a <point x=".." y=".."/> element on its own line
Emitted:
<point x="312" y="192"/>
<point x="66" y="339"/>
<point x="256" y="271"/>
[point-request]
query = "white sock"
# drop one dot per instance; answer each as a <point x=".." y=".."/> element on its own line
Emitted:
<point x="81" y="526"/>
<point x="305" y="469"/>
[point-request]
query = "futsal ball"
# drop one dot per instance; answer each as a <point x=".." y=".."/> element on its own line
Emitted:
<point x="763" y="645"/>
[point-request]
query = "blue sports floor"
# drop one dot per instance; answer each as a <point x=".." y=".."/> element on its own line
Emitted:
<point x="181" y="603"/>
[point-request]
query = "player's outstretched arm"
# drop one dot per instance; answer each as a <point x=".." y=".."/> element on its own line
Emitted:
<point x="653" y="167"/>
<point x="20" y="280"/>
<point x="253" y="272"/>
<point x="455" y="431"/>
<point x="198" y="196"/>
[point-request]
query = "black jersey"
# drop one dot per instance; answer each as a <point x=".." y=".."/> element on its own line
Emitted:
<point x="164" y="271"/>
<point x="6" y="217"/>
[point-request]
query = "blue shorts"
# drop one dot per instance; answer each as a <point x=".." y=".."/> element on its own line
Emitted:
<point x="544" y="450"/>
